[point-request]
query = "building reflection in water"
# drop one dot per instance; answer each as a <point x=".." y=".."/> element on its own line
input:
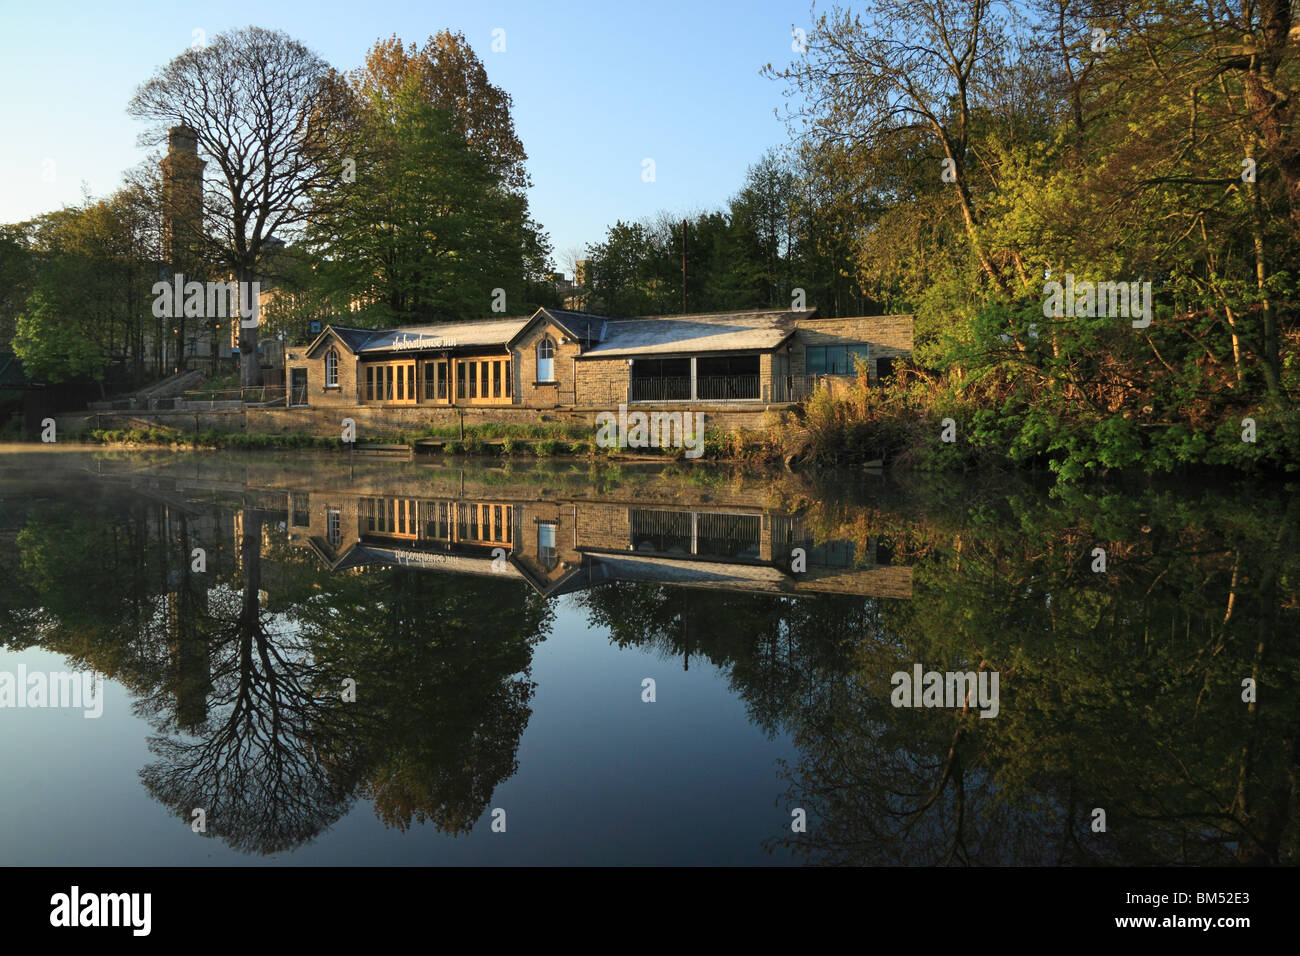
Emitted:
<point x="559" y="544"/>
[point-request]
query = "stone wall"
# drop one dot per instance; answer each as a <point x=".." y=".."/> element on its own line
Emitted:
<point x="607" y="527"/>
<point x="886" y="336"/>
<point x="531" y="393"/>
<point x="317" y="393"/>
<point x="378" y="420"/>
<point x="766" y="385"/>
<point x="603" y="381"/>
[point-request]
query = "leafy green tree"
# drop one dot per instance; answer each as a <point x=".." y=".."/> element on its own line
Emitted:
<point x="88" y="304"/>
<point x="436" y="219"/>
<point x="427" y="231"/>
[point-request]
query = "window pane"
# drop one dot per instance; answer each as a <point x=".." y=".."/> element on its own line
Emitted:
<point x="816" y="361"/>
<point x="442" y="379"/>
<point x="483" y="376"/>
<point x="410" y="381"/>
<point x="473" y="379"/>
<point x="507" y="377"/>
<point x="496" y="379"/>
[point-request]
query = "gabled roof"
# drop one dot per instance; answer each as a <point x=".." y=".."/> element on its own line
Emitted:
<point x="757" y="330"/>
<point x="581" y="326"/>
<point x="443" y="335"/>
<point x="351" y="339"/>
<point x="700" y="332"/>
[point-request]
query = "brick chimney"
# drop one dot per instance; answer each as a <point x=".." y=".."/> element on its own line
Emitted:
<point x="182" y="187"/>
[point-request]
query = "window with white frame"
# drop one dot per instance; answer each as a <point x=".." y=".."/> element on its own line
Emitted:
<point x="547" y="554"/>
<point x="331" y="369"/>
<point x="546" y="360"/>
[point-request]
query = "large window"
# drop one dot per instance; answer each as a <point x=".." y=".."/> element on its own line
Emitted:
<point x="546" y="360"/>
<point x="834" y="359"/>
<point x="389" y="382"/>
<point x="483" y="380"/>
<point x="393" y="517"/>
<point x="661" y="380"/>
<point x="331" y="369"/>
<point x="727" y="377"/>
<point x="435" y="381"/>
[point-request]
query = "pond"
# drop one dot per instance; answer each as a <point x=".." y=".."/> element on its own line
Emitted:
<point x="321" y="659"/>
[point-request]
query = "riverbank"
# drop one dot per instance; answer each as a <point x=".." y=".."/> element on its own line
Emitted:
<point x="502" y="441"/>
<point x="942" y="425"/>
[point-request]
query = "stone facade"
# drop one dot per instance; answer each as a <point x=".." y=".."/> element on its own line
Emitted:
<point x="603" y="382"/>
<point x="535" y="394"/>
<point x="317" y="391"/>
<point x="589" y="381"/>
<point x="551" y="542"/>
<point x="886" y="336"/>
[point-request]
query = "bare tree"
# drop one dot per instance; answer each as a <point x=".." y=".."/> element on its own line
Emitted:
<point x="569" y="259"/>
<point x="905" y="70"/>
<point x="257" y="100"/>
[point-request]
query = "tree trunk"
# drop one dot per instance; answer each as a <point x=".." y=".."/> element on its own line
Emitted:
<point x="250" y="371"/>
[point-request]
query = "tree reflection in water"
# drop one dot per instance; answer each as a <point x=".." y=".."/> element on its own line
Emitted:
<point x="1119" y="690"/>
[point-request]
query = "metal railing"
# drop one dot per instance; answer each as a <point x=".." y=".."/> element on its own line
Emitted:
<point x="248" y="395"/>
<point x="708" y="388"/>
<point x="794" y="388"/>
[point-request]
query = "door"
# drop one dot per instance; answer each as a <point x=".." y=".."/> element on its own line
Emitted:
<point x="297" y="386"/>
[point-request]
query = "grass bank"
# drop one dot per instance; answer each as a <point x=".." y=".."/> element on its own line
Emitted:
<point x="546" y="440"/>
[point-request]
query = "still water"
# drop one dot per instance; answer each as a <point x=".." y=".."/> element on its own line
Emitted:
<point x="312" y="659"/>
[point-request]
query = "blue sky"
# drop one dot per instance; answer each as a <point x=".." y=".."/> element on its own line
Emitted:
<point x="597" y="88"/>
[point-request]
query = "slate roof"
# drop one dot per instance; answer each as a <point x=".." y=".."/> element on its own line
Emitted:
<point x="443" y="335"/>
<point x="581" y="325"/>
<point x="698" y="333"/>
<point x="354" y="338"/>
<point x="602" y="337"/>
<point x="446" y="335"/>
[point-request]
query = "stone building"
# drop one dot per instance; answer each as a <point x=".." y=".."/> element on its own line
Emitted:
<point x="557" y="359"/>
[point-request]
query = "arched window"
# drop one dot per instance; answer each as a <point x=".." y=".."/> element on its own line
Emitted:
<point x="546" y="360"/>
<point x="331" y="369"/>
